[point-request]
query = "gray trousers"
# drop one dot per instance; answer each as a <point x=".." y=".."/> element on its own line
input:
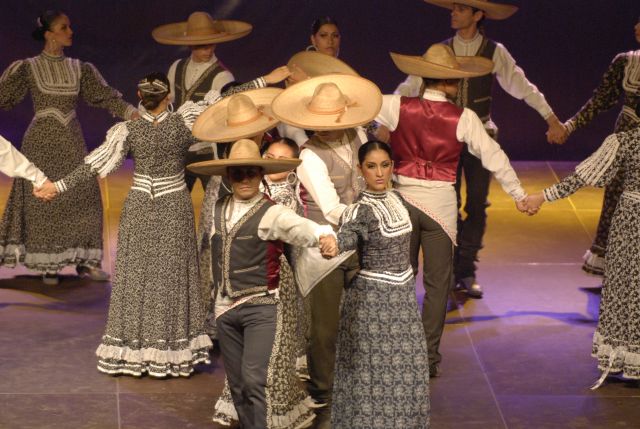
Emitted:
<point x="323" y="333"/>
<point x="246" y="335"/>
<point x="437" y="270"/>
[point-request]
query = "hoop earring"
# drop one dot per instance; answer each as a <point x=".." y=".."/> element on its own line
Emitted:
<point x="141" y="107"/>
<point x="170" y="107"/>
<point x="311" y="48"/>
<point x="292" y="178"/>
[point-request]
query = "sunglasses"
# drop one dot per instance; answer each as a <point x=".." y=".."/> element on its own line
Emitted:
<point x="238" y="174"/>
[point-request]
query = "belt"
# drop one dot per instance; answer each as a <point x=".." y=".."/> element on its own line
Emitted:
<point x="157" y="186"/>
<point x="63" y="118"/>
<point x="631" y="195"/>
<point x="389" y="277"/>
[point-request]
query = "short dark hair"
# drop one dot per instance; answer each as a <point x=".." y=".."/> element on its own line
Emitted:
<point x="285" y="141"/>
<point x="428" y="82"/>
<point x="315" y="27"/>
<point x="44" y="22"/>
<point x="370" y="146"/>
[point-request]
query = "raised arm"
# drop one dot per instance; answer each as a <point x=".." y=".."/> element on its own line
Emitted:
<point x="96" y="92"/>
<point x="605" y="96"/>
<point x="282" y="223"/>
<point x="471" y="131"/>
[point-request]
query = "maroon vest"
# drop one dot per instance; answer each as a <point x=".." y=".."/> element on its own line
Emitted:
<point x="424" y="144"/>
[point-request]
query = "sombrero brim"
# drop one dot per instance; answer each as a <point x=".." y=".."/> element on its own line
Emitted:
<point x="317" y="64"/>
<point x="218" y="167"/>
<point x="491" y="10"/>
<point x="211" y="125"/>
<point x="176" y="33"/>
<point x="418" y="66"/>
<point x="290" y="106"/>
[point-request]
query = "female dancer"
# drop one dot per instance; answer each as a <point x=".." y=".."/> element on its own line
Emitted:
<point x="621" y="78"/>
<point x="68" y="231"/>
<point x="616" y="342"/>
<point x="325" y="36"/>
<point x="382" y="371"/>
<point x="156" y="314"/>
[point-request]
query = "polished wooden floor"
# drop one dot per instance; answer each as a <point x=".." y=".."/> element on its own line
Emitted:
<point x="518" y="358"/>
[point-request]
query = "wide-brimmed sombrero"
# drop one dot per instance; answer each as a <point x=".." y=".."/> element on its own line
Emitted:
<point x="439" y="62"/>
<point x="200" y="29"/>
<point x="329" y="102"/>
<point x="244" y="153"/>
<point x="491" y="10"/>
<point x="317" y="64"/>
<point x="239" y="116"/>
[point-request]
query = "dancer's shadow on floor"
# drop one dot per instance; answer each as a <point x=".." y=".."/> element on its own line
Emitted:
<point x="458" y="298"/>
<point x="73" y="293"/>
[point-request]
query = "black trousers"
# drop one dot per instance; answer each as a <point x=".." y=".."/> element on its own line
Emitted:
<point x="471" y="228"/>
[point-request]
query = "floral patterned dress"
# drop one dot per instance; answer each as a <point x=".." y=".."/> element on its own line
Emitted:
<point x="622" y="79"/>
<point x="382" y="374"/>
<point x="616" y="342"/>
<point x="46" y="236"/>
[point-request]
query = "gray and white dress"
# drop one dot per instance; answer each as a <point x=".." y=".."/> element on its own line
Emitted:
<point x="382" y="375"/>
<point x="616" y="341"/>
<point x="46" y="236"/>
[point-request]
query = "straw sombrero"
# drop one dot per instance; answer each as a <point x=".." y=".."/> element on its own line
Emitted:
<point x="200" y="29"/>
<point x="491" y="10"/>
<point x="244" y="153"/>
<point x="439" y="62"/>
<point x="316" y="64"/>
<point x="239" y="116"/>
<point x="329" y="102"/>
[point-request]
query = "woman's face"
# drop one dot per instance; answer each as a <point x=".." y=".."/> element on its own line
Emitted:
<point x="637" y="31"/>
<point x="60" y="32"/>
<point x="279" y="151"/>
<point x="327" y="40"/>
<point x="376" y="170"/>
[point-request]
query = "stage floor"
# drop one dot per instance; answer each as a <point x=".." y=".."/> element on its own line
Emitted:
<point x="518" y="358"/>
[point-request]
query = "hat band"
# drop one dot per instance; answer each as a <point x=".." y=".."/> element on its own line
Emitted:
<point x="259" y="113"/>
<point x="340" y="112"/>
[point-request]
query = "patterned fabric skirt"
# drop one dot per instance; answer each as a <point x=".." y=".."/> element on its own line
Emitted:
<point x="156" y="314"/>
<point x="47" y="236"/>
<point x="382" y="375"/>
<point x="288" y="404"/>
<point x="616" y="342"/>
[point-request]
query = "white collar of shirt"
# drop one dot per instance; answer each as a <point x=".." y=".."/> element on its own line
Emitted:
<point x="434" y="95"/>
<point x="240" y="208"/>
<point x="467" y="47"/>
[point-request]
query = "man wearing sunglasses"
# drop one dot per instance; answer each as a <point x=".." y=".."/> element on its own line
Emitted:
<point x="247" y="239"/>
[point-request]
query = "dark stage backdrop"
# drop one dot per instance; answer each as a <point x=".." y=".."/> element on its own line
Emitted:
<point x="563" y="46"/>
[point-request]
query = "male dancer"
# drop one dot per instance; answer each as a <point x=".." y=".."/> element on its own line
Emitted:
<point x="428" y="134"/>
<point x="192" y="77"/>
<point x="467" y="18"/>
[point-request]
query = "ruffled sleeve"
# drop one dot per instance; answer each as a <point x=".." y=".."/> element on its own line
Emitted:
<point x="103" y="160"/>
<point x="13" y="85"/>
<point x="96" y="92"/>
<point x="597" y="170"/>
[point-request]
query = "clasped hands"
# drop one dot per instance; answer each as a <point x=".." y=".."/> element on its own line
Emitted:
<point x="531" y="203"/>
<point x="46" y="192"/>
<point x="328" y="246"/>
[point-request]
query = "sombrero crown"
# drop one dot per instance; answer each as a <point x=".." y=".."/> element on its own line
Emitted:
<point x="244" y="153"/>
<point x="491" y="10"/>
<point x="239" y="116"/>
<point x="329" y="102"/>
<point x="439" y="62"/>
<point x="200" y="29"/>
